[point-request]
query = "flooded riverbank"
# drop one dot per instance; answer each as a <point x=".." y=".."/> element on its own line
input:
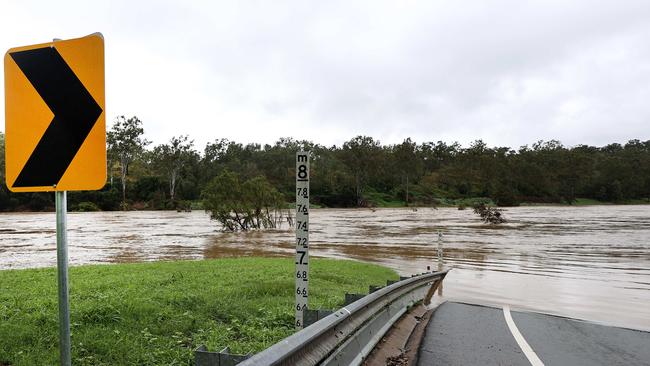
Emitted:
<point x="586" y="262"/>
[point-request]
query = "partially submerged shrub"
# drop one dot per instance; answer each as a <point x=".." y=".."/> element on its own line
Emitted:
<point x="87" y="207"/>
<point x="489" y="214"/>
<point x="243" y="206"/>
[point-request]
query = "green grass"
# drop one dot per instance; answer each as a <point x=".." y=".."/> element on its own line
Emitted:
<point x="587" y="202"/>
<point x="391" y="204"/>
<point x="379" y="199"/>
<point x="158" y="313"/>
<point x="591" y="202"/>
<point x="639" y="201"/>
<point x="465" y="202"/>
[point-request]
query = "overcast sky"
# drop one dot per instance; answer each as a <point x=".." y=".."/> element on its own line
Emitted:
<point x="507" y="72"/>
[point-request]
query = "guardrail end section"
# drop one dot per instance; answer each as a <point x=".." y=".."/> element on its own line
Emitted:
<point x="203" y="357"/>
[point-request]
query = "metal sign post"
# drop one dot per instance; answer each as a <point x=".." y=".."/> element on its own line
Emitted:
<point x="62" y="267"/>
<point x="302" y="235"/>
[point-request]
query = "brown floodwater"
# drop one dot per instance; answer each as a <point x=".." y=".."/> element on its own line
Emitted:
<point x="590" y="263"/>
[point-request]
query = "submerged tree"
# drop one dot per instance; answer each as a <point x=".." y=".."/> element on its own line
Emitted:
<point x="125" y="144"/>
<point x="489" y="214"/>
<point x="237" y="206"/>
<point x="170" y="159"/>
<point x="360" y="154"/>
<point x="406" y="163"/>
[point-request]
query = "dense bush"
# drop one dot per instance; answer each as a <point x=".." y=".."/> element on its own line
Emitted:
<point x="87" y="207"/>
<point x="363" y="172"/>
<point x="489" y="214"/>
<point x="242" y="206"/>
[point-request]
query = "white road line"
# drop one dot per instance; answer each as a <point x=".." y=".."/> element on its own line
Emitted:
<point x="525" y="347"/>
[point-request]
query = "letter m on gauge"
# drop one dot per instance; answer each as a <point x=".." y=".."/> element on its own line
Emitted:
<point x="55" y="122"/>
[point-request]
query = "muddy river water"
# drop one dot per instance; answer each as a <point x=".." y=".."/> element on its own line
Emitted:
<point x="590" y="263"/>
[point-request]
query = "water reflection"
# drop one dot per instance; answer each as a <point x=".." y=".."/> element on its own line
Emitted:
<point x="587" y="262"/>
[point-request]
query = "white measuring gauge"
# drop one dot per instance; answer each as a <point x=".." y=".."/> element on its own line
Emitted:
<point x="302" y="235"/>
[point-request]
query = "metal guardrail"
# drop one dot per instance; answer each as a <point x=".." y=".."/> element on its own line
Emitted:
<point x="348" y="335"/>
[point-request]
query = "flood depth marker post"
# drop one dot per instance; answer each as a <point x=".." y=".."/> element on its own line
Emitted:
<point x="302" y="235"/>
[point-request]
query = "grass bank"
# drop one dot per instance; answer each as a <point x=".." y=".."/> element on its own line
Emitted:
<point x="157" y="313"/>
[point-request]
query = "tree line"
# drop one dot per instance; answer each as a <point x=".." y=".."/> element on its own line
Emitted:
<point x="361" y="172"/>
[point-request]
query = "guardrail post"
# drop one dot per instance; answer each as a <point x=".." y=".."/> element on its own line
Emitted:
<point x="373" y="288"/>
<point x="203" y="357"/>
<point x="312" y="316"/>
<point x="350" y="298"/>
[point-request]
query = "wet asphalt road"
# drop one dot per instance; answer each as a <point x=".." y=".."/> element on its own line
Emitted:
<point x="462" y="334"/>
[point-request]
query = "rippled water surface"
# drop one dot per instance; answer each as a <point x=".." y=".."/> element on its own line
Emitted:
<point x="586" y="262"/>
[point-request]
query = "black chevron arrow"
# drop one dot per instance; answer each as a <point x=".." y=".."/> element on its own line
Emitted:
<point x="75" y="113"/>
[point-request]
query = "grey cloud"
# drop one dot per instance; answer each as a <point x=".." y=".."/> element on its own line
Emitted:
<point x="509" y="72"/>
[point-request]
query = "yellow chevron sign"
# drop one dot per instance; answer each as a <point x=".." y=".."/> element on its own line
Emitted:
<point x="55" y="124"/>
